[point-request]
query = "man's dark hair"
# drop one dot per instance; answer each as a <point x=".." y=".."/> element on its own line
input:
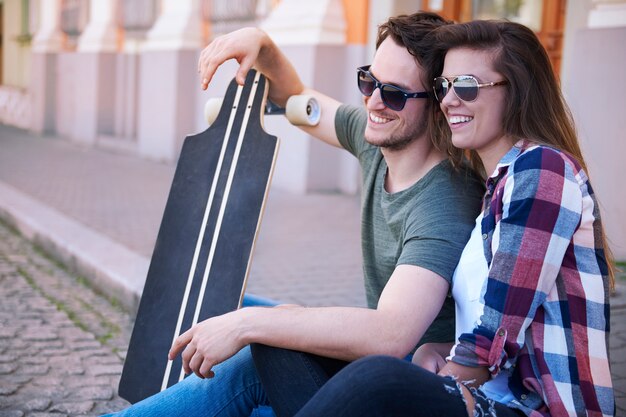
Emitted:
<point x="412" y="32"/>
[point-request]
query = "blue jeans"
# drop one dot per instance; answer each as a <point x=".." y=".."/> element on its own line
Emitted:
<point x="234" y="391"/>
<point x="385" y="386"/>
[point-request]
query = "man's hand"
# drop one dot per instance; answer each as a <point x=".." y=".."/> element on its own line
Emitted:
<point x="208" y="343"/>
<point x="251" y="47"/>
<point x="243" y="45"/>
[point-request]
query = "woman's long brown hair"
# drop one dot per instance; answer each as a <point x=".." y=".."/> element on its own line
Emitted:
<point x="535" y="108"/>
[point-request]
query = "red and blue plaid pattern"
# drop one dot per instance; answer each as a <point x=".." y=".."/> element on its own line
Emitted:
<point x="546" y="305"/>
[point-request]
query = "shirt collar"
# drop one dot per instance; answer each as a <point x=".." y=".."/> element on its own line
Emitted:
<point x="508" y="159"/>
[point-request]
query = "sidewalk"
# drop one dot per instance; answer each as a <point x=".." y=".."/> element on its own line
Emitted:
<point x="99" y="212"/>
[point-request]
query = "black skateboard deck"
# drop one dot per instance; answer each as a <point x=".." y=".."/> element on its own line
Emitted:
<point x="204" y="247"/>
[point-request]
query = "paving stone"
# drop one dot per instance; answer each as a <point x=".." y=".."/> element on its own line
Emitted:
<point x="20" y="345"/>
<point x="94" y="393"/>
<point x="11" y="413"/>
<point x="6" y="402"/>
<point x="110" y="406"/>
<point x="8" y="332"/>
<point x="6" y="269"/>
<point x="27" y="369"/>
<point x="72" y="370"/>
<point x="48" y="381"/>
<point x="88" y="380"/>
<point x="7" y="388"/>
<point x="7" y="368"/>
<point x="8" y="358"/>
<point x="102" y="360"/>
<point x="74" y="334"/>
<point x="34" y="360"/>
<point x="100" y="370"/>
<point x="17" y="379"/>
<point x="47" y="415"/>
<point x="48" y="344"/>
<point x="28" y="323"/>
<point x="55" y="351"/>
<point x="89" y="354"/>
<point x="34" y="390"/>
<point x="73" y="408"/>
<point x="86" y="345"/>
<point x="38" y="404"/>
<point x="63" y="360"/>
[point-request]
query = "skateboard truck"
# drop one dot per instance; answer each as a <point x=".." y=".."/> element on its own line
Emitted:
<point x="300" y="110"/>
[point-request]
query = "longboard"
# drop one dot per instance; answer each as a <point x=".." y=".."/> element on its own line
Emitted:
<point x="204" y="246"/>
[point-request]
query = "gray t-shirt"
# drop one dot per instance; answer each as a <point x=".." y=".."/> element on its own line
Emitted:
<point x="426" y="225"/>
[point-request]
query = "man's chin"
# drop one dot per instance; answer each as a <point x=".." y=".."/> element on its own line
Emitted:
<point x="391" y="144"/>
<point x="378" y="140"/>
<point x="373" y="142"/>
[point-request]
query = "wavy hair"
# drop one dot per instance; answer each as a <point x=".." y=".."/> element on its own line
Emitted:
<point x="535" y="108"/>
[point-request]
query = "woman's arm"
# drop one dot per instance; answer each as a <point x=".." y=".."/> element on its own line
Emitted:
<point x="536" y="214"/>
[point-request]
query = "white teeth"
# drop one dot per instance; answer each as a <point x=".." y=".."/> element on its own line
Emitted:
<point x="377" y="119"/>
<point x="459" y="119"/>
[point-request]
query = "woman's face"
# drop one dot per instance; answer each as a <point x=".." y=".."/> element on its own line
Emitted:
<point x="478" y="124"/>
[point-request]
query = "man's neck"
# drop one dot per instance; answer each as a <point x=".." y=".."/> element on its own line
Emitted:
<point x="408" y="165"/>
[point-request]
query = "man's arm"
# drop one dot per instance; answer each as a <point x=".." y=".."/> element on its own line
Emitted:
<point x="409" y="303"/>
<point x="252" y="47"/>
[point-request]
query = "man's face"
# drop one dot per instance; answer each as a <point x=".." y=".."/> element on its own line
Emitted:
<point x="387" y="128"/>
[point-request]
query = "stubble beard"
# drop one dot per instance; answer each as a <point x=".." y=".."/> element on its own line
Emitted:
<point x="401" y="140"/>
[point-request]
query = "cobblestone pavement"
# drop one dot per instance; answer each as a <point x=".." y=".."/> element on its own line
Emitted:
<point x="62" y="345"/>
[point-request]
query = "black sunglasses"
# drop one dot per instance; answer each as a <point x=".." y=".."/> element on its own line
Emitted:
<point x="393" y="96"/>
<point x="465" y="87"/>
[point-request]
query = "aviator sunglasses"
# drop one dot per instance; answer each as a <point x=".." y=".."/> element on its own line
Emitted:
<point x="392" y="96"/>
<point x="465" y="87"/>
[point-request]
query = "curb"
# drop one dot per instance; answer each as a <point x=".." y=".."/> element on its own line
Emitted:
<point x="109" y="267"/>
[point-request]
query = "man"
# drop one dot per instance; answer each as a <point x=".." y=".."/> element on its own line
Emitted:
<point x="418" y="211"/>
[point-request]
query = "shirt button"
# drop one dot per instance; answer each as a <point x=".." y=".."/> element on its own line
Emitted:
<point x="485" y="236"/>
<point x="524" y="396"/>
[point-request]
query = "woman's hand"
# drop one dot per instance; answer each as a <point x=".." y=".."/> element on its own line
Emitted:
<point x="431" y="356"/>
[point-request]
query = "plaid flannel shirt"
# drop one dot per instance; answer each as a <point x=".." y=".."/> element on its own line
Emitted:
<point x="546" y="306"/>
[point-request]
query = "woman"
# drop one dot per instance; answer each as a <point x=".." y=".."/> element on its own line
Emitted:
<point x="533" y="282"/>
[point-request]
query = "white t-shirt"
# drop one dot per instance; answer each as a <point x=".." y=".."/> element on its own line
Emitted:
<point x="468" y="288"/>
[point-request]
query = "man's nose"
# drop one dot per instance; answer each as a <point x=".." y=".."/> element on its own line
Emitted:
<point x="375" y="101"/>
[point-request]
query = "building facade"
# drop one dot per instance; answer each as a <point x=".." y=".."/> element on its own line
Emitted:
<point x="121" y="74"/>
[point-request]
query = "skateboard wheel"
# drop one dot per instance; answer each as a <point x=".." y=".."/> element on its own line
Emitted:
<point x="303" y="110"/>
<point x="212" y="109"/>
